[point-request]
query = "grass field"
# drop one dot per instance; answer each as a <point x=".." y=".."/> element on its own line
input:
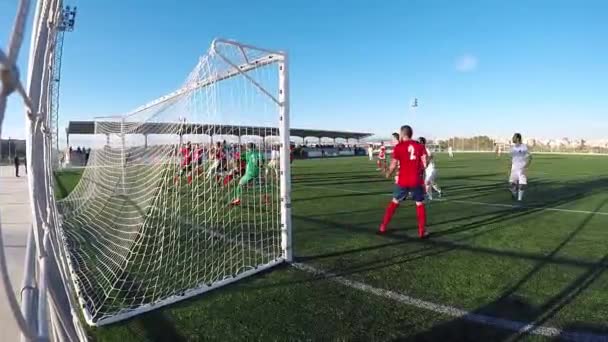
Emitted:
<point x="543" y="263"/>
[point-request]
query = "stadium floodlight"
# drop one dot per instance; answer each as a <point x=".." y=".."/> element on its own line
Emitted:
<point x="414" y="103"/>
<point x="149" y="224"/>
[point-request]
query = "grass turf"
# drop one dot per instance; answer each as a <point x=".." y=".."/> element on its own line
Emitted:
<point x="525" y="264"/>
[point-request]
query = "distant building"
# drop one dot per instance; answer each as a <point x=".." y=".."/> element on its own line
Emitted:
<point x="10" y="147"/>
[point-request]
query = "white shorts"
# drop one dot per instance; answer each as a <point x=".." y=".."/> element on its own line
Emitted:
<point x="273" y="164"/>
<point x="518" y="176"/>
<point x="212" y="168"/>
<point x="430" y="175"/>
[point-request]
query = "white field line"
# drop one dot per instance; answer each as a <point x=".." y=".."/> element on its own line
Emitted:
<point x="587" y="212"/>
<point x="519" y="327"/>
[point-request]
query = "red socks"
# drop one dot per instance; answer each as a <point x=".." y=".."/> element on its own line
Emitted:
<point x="388" y="215"/>
<point x="421" y="215"/>
<point x="390" y="211"/>
<point x="189" y="179"/>
<point x="227" y="180"/>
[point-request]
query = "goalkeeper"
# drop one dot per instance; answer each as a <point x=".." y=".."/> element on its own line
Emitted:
<point x="254" y="160"/>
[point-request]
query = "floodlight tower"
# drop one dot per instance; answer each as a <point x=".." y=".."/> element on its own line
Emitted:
<point x="65" y="23"/>
<point x="414" y="102"/>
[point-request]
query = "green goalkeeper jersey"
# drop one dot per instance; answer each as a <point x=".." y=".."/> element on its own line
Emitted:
<point x="254" y="160"/>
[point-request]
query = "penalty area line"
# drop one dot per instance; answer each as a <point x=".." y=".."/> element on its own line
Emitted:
<point x="517" y="326"/>
<point x="487" y="204"/>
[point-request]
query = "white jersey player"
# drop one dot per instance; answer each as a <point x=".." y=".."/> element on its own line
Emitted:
<point x="370" y="152"/>
<point x="430" y="173"/>
<point x="273" y="164"/>
<point x="450" y="152"/>
<point x="520" y="160"/>
<point x="381" y="162"/>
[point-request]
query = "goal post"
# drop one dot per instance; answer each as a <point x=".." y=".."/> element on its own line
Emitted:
<point x="285" y="161"/>
<point x="187" y="193"/>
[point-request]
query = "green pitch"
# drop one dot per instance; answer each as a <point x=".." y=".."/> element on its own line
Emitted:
<point x="545" y="262"/>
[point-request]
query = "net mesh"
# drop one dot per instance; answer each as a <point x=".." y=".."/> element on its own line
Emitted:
<point x="183" y="194"/>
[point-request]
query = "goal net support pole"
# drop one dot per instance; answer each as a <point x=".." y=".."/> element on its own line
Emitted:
<point x="285" y="161"/>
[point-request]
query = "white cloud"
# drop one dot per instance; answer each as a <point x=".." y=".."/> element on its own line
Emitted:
<point x="466" y="63"/>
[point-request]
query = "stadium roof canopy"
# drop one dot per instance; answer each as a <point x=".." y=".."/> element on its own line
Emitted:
<point x="113" y="127"/>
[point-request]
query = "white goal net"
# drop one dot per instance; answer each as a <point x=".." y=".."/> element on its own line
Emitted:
<point x="184" y="194"/>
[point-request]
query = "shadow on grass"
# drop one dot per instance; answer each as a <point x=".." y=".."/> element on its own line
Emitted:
<point x="537" y="316"/>
<point x="155" y="326"/>
<point x="509" y="305"/>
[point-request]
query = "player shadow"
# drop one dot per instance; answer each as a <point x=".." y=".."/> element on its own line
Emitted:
<point x="535" y="316"/>
<point x="474" y="326"/>
<point x="589" y="328"/>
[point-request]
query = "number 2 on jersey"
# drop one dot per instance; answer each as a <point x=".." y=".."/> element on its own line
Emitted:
<point x="412" y="152"/>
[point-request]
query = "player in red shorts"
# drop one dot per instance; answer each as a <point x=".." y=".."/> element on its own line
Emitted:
<point x="409" y="157"/>
<point x="186" y="163"/>
<point x="381" y="163"/>
<point x="291" y="151"/>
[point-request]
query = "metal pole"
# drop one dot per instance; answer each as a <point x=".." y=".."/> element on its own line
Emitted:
<point x="284" y="161"/>
<point x="123" y="159"/>
<point x="28" y="287"/>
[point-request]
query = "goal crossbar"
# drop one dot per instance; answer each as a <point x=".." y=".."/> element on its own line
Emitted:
<point x="232" y="72"/>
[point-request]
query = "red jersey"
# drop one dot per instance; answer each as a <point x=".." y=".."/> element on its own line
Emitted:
<point x="198" y="153"/>
<point x="219" y="153"/>
<point x="382" y="153"/>
<point x="186" y="156"/>
<point x="411" y="167"/>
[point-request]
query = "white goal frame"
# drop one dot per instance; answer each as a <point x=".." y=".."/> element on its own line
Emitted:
<point x="282" y="100"/>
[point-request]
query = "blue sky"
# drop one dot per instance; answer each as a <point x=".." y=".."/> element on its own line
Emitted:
<point x="477" y="67"/>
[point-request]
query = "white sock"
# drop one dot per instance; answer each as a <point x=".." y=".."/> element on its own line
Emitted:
<point x="520" y="195"/>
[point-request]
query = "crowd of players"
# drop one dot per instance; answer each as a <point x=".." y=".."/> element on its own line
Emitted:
<point x="417" y="173"/>
<point x="227" y="163"/>
<point x="412" y="160"/>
